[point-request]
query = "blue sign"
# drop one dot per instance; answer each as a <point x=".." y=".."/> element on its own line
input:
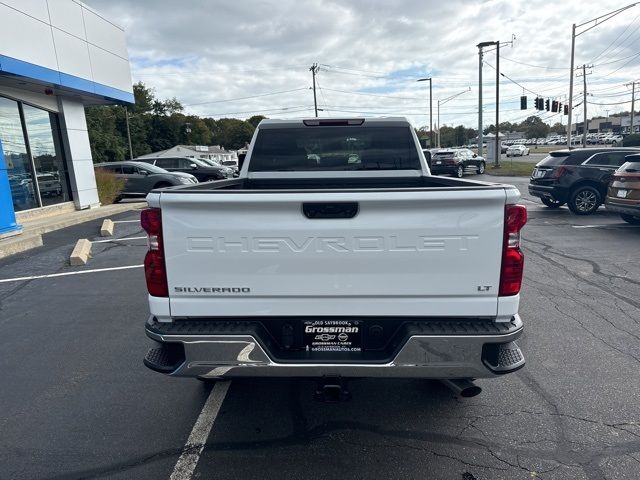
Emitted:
<point x="7" y="214"/>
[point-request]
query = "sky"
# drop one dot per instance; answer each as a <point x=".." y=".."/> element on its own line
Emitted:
<point x="247" y="57"/>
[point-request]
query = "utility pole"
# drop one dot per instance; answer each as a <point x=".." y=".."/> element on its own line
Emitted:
<point x="430" y="109"/>
<point x="126" y="116"/>
<point x="497" y="146"/>
<point x="314" y="69"/>
<point x="585" y="122"/>
<point x="595" y="21"/>
<point x="498" y="149"/>
<point x="480" y="140"/>
<point x="573" y="51"/>
<point x="633" y="104"/>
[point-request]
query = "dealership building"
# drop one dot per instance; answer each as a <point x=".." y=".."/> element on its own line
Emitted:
<point x="56" y="57"/>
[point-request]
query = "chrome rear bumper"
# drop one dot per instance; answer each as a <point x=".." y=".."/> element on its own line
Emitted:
<point x="422" y="356"/>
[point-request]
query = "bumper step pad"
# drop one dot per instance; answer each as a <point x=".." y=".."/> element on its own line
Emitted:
<point x="165" y="358"/>
<point x="503" y="357"/>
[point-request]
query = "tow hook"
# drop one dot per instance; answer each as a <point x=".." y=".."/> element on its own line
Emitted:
<point x="332" y="390"/>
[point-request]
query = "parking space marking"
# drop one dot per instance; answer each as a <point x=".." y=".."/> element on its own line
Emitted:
<point x="119" y="239"/>
<point x="188" y="460"/>
<point x="64" y="274"/>
<point x="126" y="221"/>
<point x="612" y="225"/>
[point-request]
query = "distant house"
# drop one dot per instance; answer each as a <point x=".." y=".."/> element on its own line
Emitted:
<point x="210" y="152"/>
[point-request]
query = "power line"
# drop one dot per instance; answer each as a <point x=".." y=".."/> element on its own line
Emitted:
<point x="246" y="98"/>
<point x="530" y="65"/>
<point x="620" y="68"/>
<point x="270" y="110"/>
<point x="372" y="94"/>
<point x="605" y="104"/>
<point x="616" y="39"/>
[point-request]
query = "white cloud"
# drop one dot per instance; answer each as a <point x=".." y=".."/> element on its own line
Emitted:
<point x="202" y="51"/>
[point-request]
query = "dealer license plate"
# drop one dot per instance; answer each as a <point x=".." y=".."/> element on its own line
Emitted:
<point x="438" y="162"/>
<point x="333" y="335"/>
<point x="622" y="193"/>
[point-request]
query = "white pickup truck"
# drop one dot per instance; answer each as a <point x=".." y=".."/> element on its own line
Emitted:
<point x="335" y="254"/>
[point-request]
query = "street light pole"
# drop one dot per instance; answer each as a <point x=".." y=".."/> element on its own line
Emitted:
<point x="126" y="117"/>
<point x="430" y="108"/>
<point x="480" y="140"/>
<point x="596" y="21"/>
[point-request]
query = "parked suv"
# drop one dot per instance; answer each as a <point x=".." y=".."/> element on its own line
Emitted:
<point x="456" y="162"/>
<point x="623" y="196"/>
<point x="196" y="167"/>
<point x="579" y="178"/>
<point x="141" y="178"/>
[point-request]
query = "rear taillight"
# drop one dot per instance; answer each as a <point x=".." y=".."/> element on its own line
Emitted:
<point x="558" y="172"/>
<point x="515" y="217"/>
<point x="154" y="266"/>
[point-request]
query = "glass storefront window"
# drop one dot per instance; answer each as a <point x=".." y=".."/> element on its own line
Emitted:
<point x="51" y="174"/>
<point x="36" y="167"/>
<point x="16" y="156"/>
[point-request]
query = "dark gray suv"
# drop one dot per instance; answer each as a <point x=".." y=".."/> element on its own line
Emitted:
<point x="141" y="178"/>
<point x="197" y="167"/>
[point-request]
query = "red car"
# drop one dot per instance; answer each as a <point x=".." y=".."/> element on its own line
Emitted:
<point x="623" y="195"/>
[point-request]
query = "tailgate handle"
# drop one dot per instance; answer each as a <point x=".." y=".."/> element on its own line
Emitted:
<point x="330" y="210"/>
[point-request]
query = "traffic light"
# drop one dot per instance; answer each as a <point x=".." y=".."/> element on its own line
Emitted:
<point x="566" y="109"/>
<point x="560" y="107"/>
<point x="523" y="102"/>
<point x="554" y="106"/>
<point x="539" y="103"/>
<point x="546" y="104"/>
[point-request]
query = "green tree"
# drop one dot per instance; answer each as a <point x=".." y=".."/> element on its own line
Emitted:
<point x="255" y="120"/>
<point x="232" y="133"/>
<point x="107" y="143"/>
<point x="534" y="127"/>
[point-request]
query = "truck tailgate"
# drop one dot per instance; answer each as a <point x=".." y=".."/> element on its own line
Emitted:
<point x="429" y="252"/>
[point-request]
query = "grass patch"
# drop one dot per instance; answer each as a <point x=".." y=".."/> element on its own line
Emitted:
<point x="109" y="186"/>
<point x="511" y="169"/>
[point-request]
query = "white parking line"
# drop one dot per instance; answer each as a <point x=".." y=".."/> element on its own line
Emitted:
<point x="188" y="460"/>
<point x="612" y="225"/>
<point x="64" y="274"/>
<point x="119" y="239"/>
<point x="126" y="221"/>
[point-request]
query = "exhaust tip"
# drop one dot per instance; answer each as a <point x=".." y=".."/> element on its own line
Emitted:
<point x="463" y="387"/>
<point x="470" y="391"/>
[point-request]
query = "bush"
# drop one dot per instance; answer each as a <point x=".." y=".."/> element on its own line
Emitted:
<point x="109" y="186"/>
<point x="631" y="140"/>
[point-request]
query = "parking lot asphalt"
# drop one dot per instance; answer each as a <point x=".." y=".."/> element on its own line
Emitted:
<point x="76" y="401"/>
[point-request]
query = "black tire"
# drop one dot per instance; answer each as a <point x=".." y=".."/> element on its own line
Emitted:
<point x="552" y="203"/>
<point x="459" y="173"/>
<point x="481" y="168"/>
<point x="632" y="219"/>
<point x="584" y="200"/>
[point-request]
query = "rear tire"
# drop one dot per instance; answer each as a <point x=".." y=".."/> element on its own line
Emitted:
<point x="459" y="171"/>
<point x="632" y="219"/>
<point x="481" y="168"/>
<point x="552" y="203"/>
<point x="584" y="200"/>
